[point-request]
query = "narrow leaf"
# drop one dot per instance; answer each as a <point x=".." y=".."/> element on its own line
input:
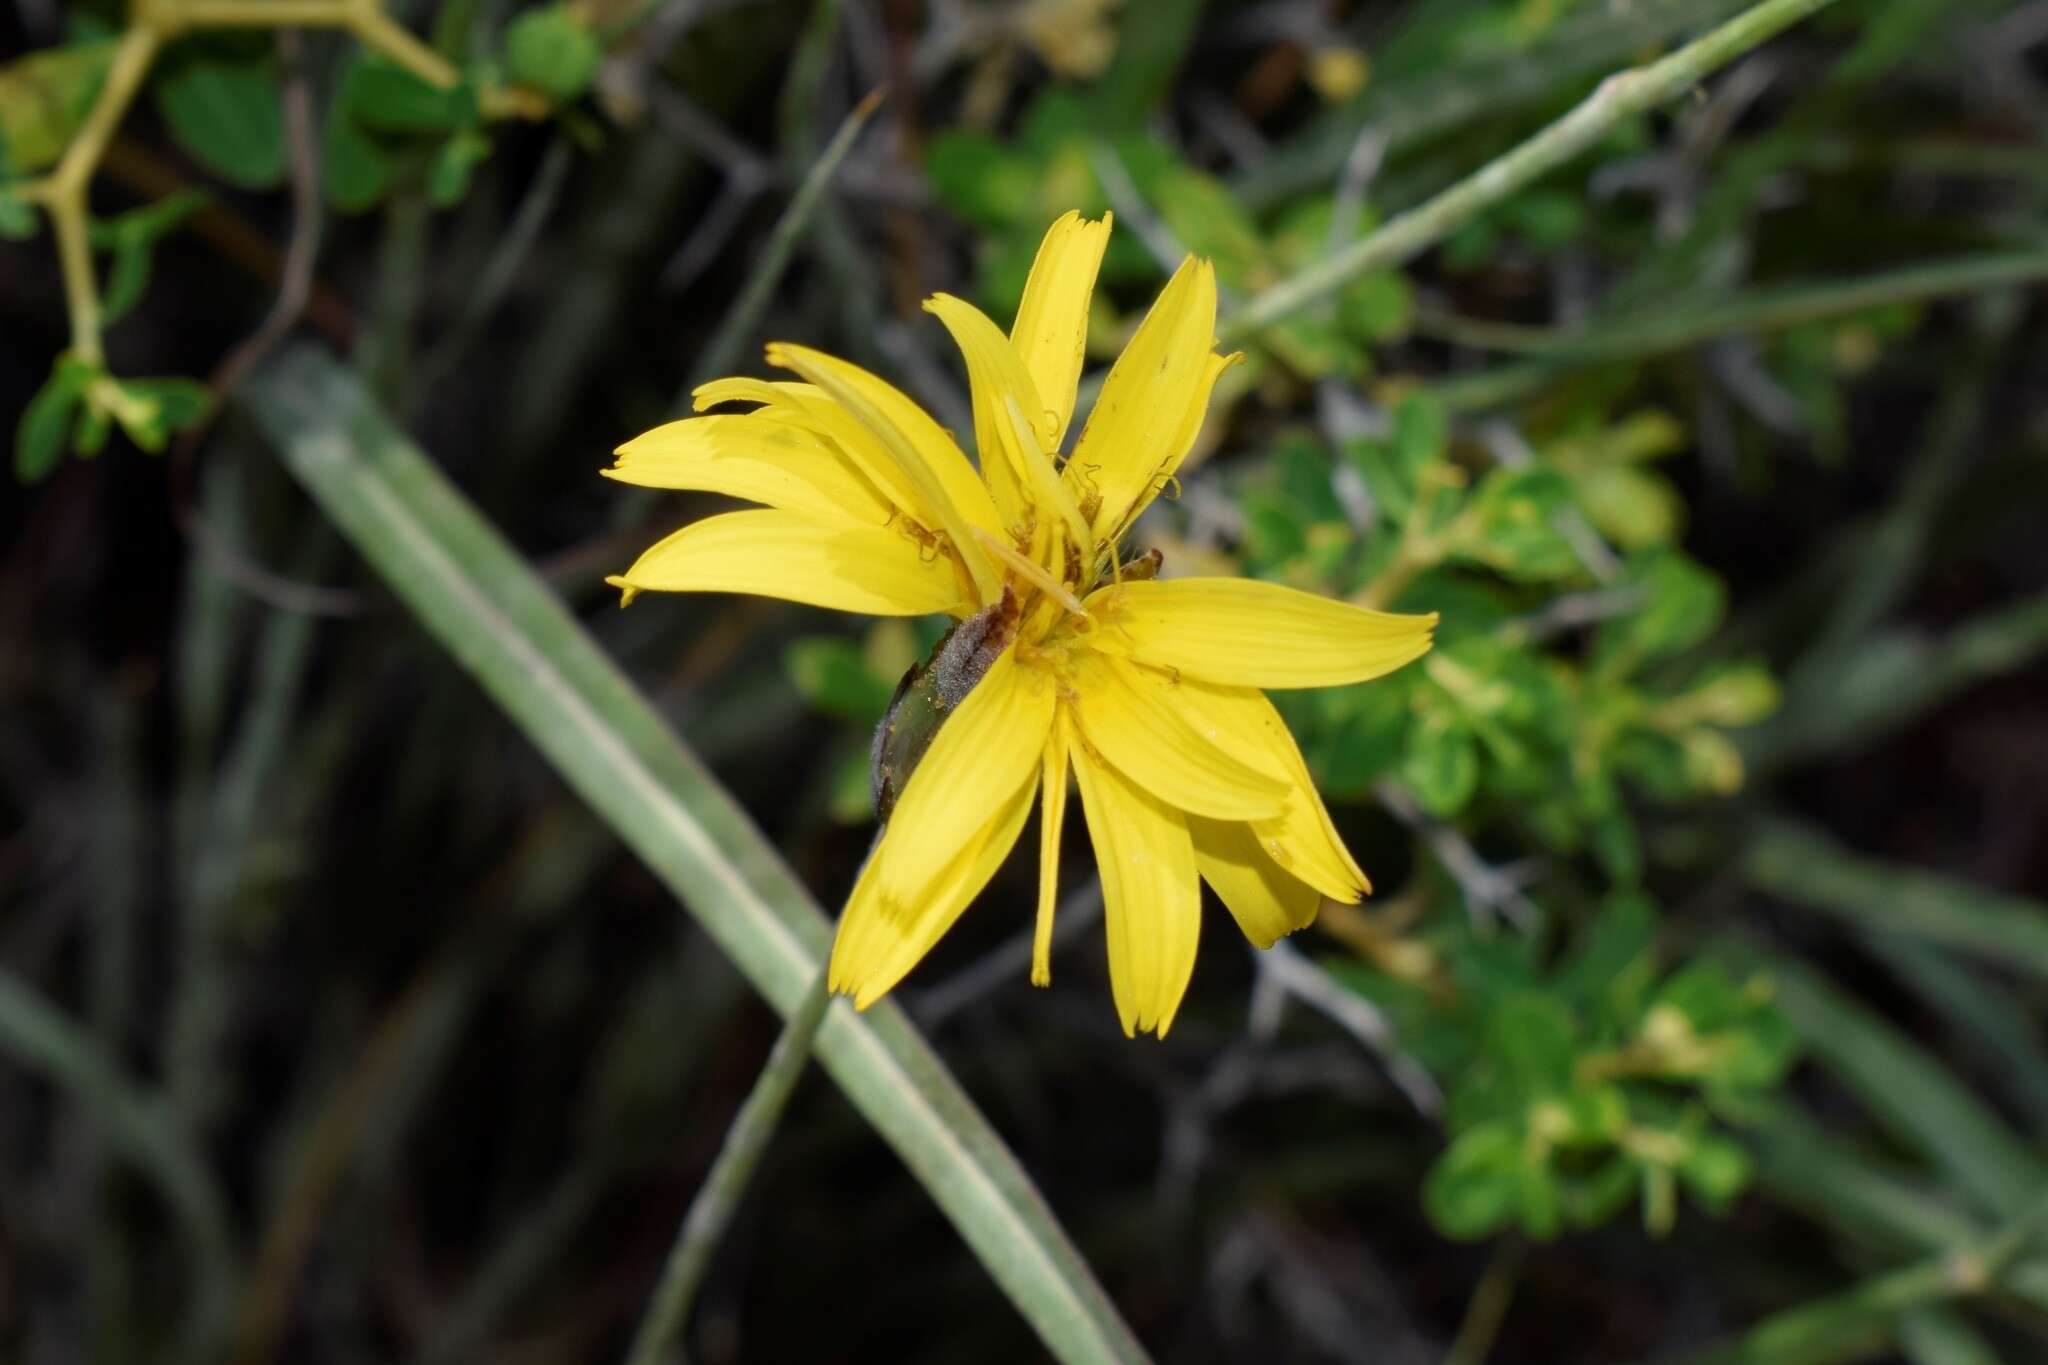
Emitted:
<point x="487" y="608"/>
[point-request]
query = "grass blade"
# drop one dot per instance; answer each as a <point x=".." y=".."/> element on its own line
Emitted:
<point x="40" y="1036"/>
<point x="1800" y="865"/>
<point x="1909" y="1092"/>
<point x="485" y="606"/>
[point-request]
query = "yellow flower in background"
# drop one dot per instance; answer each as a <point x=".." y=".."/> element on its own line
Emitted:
<point x="1065" y="657"/>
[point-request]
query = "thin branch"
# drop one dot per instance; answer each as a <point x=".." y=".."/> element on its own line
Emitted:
<point x="1487" y="889"/>
<point x="711" y="1212"/>
<point x="1357" y="1016"/>
<point x="1619" y="97"/>
<point x="745" y="314"/>
<point x="1007" y="961"/>
<point x="295" y="289"/>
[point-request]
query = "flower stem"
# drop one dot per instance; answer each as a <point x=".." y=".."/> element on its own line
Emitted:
<point x="711" y="1212"/>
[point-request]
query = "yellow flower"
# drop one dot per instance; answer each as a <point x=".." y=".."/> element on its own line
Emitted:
<point x="1067" y="657"/>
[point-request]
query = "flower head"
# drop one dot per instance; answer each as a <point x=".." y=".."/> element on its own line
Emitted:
<point x="1068" y="657"/>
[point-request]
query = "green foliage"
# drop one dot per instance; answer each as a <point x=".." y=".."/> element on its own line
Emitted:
<point x="131" y="238"/>
<point x="225" y="109"/>
<point x="388" y="126"/>
<point x="44" y="97"/>
<point x="18" y="220"/>
<point x="552" y="51"/>
<point x="1581" y="1086"/>
<point x="1056" y="162"/>
<point x="81" y="402"/>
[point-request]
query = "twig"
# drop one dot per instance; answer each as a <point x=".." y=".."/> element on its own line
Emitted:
<point x="711" y="1212"/>
<point x="502" y="269"/>
<point x="1129" y="203"/>
<point x="1621" y="96"/>
<point x="1367" y="155"/>
<point x="1487" y="888"/>
<point x="295" y="288"/>
<point x="1007" y="961"/>
<point x="745" y="314"/>
<point x="1356" y="1016"/>
<point x="1573" y="611"/>
<point x="154" y="23"/>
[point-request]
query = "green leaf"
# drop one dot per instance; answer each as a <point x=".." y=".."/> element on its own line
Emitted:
<point x="180" y="402"/>
<point x="1441" y="766"/>
<point x="549" y="50"/>
<point x="1511" y="524"/>
<point x="979" y="178"/>
<point x="44" y="98"/>
<point x="1422" y="432"/>
<point x="1531" y="1039"/>
<point x="132" y="238"/>
<point x="1805" y="867"/>
<point x="833" y="676"/>
<point x="449" y="175"/>
<point x="486" y="606"/>
<point x="353" y="165"/>
<point x="1475" y="1187"/>
<point x="46" y="421"/>
<point x="1610" y="972"/>
<point x="1377" y="307"/>
<point x="1684" y="604"/>
<point x="1909" y="1091"/>
<point x="18" y="220"/>
<point x="226" y="112"/>
<point x="1715" y="1169"/>
<point x="1371" y="740"/>
<point x="89" y="437"/>
<point x="384" y="97"/>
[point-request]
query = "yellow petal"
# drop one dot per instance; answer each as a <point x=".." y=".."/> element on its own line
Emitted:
<point x="1151" y="894"/>
<point x="1145" y="403"/>
<point x="880" y="940"/>
<point x="985" y="747"/>
<point x="809" y="408"/>
<point x="757" y="458"/>
<point x="1183" y="441"/>
<point x="1051" y="333"/>
<point x="950" y="491"/>
<point x="1251" y="634"/>
<point x="1304" y="840"/>
<point x="1006" y="402"/>
<point x="1133" y="718"/>
<point x="771" y="394"/>
<point x="1266" y="900"/>
<point x="1052" y="818"/>
<point x="869" y="569"/>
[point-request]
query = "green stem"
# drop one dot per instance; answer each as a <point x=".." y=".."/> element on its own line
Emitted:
<point x="1861" y="1320"/>
<point x="711" y="1212"/>
<point x="1489" y="1305"/>
<point x="485" y="606"/>
<point x="1553" y="353"/>
<point x="63" y="195"/>
<point x="1621" y="96"/>
<point x="745" y="314"/>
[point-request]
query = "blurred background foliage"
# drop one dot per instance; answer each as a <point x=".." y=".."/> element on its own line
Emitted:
<point x="1698" y="1014"/>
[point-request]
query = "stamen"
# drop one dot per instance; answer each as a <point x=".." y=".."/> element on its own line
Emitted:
<point x="1031" y="573"/>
